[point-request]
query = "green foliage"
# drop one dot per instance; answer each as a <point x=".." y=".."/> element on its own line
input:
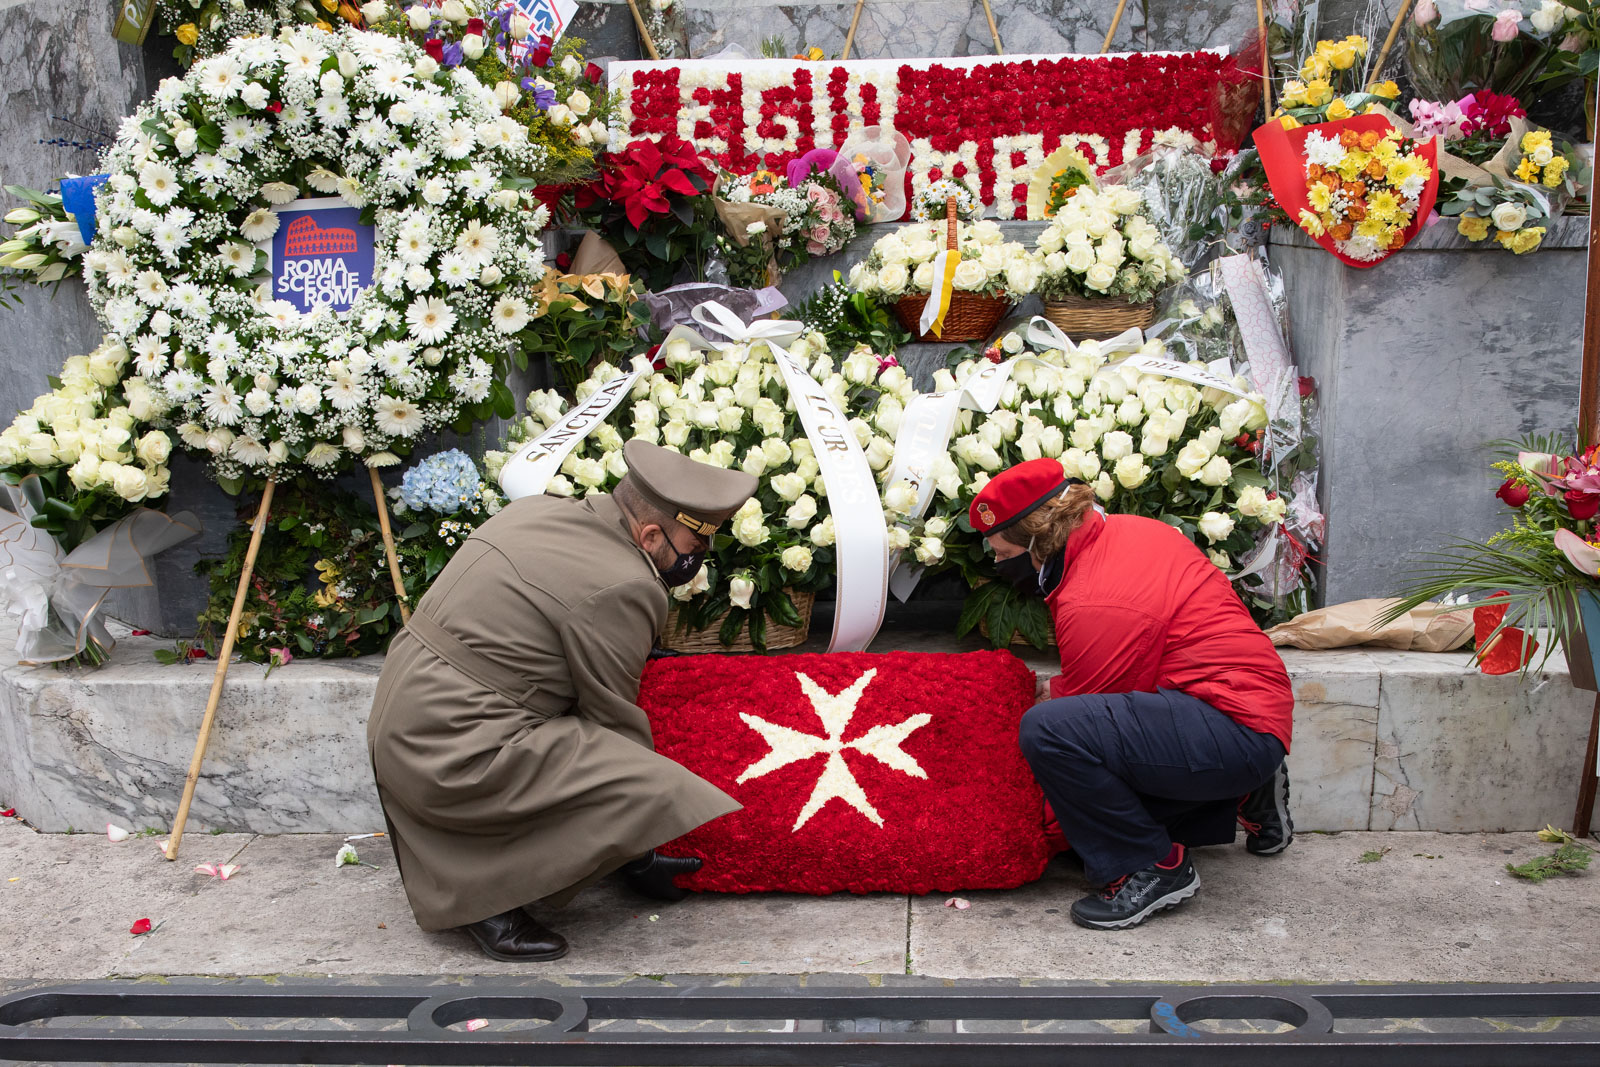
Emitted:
<point x="1372" y="855"/>
<point x="1568" y="859"/>
<point x="847" y="318"/>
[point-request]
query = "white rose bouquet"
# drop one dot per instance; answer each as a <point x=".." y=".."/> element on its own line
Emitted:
<point x="1102" y="244"/>
<point x="94" y="444"/>
<point x="901" y="263"/>
<point x="731" y="409"/>
<point x="1152" y="446"/>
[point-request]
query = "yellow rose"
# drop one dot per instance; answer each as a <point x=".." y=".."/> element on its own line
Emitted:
<point x="187" y="34"/>
<point x="1342" y="56"/>
<point x="1526" y="240"/>
<point x="1315" y="67"/>
<point x="324" y="26"/>
<point x="1339" y="109"/>
<point x="1388" y="90"/>
<point x="1472" y="227"/>
<point x="1318" y="92"/>
<point x="330" y="5"/>
<point x="1358" y="43"/>
<point x="1289" y="122"/>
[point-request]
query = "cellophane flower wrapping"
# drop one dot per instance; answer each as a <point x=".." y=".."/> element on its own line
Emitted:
<point x="901" y="262"/>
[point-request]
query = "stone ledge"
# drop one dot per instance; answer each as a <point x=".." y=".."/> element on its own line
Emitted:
<point x="1384" y="740"/>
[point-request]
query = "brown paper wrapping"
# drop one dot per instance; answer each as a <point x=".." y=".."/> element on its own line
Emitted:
<point x="1427" y="628"/>
<point x="596" y="256"/>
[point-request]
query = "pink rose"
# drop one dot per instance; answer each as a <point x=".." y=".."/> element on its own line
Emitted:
<point x="814" y="193"/>
<point x="819" y="234"/>
<point x="814" y="248"/>
<point x="1505" y="25"/>
<point x="1425" y="12"/>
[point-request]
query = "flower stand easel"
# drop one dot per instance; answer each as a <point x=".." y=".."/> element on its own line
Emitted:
<point x="258" y="526"/>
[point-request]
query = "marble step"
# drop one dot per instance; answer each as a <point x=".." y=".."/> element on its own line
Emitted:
<point x="1384" y="740"/>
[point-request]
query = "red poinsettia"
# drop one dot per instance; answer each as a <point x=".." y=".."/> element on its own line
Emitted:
<point x="641" y="175"/>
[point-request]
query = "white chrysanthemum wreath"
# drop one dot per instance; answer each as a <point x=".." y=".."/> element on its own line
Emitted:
<point x="435" y="168"/>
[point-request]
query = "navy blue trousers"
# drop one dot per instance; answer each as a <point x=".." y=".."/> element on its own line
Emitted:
<point x="1128" y="774"/>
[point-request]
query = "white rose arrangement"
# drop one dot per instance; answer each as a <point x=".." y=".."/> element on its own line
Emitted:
<point x="1102" y="244"/>
<point x="731" y="409"/>
<point x="175" y="271"/>
<point x="93" y="442"/>
<point x="901" y="262"/>
<point x="1148" y="445"/>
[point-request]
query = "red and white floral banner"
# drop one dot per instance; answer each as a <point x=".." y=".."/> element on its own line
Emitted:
<point x="989" y="120"/>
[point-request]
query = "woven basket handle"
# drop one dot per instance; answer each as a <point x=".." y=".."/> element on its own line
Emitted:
<point x="950" y="222"/>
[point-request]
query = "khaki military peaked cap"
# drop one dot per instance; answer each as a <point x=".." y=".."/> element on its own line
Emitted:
<point x="698" y="495"/>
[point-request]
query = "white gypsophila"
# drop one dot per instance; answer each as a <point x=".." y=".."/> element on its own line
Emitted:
<point x="177" y="274"/>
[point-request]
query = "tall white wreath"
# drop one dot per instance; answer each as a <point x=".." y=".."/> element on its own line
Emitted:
<point x="434" y="166"/>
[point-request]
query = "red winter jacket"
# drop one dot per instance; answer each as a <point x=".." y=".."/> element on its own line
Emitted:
<point x="1139" y="607"/>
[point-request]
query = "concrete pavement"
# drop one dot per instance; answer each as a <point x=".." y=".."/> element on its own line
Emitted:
<point x="1434" y="908"/>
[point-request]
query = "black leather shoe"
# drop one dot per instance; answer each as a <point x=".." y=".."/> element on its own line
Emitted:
<point x="516" y="937"/>
<point x="653" y="875"/>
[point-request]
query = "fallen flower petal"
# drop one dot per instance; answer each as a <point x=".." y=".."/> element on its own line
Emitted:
<point x="116" y="833"/>
<point x="477" y="1024"/>
<point x="141" y="926"/>
<point x="140" y="633"/>
<point x="9" y="813"/>
<point x="227" y="870"/>
<point x="958" y="904"/>
<point x="207" y="868"/>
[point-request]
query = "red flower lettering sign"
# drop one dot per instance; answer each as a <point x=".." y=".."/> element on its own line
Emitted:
<point x="857" y="771"/>
<point x="988" y="121"/>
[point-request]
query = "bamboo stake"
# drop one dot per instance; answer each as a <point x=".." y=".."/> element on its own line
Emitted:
<point x="1112" y="32"/>
<point x="1589" y="370"/>
<point x="388" y="544"/>
<point x="1388" y="43"/>
<point x="1266" y="62"/>
<point x="989" y="12"/>
<point x="850" y="37"/>
<point x="644" y="32"/>
<point x="257" y="528"/>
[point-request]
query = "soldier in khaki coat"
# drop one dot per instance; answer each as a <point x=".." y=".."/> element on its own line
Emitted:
<point x="512" y="759"/>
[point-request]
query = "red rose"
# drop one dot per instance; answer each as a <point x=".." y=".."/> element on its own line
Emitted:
<point x="435" y="49"/>
<point x="1307" y="386"/>
<point x="475" y="26"/>
<point x="1513" y="494"/>
<point x="1581" y="505"/>
<point x="593" y="73"/>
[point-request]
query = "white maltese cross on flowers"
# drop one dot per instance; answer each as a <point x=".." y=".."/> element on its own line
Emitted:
<point x="836" y="711"/>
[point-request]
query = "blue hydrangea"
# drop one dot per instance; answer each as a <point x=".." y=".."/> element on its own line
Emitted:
<point x="445" y="482"/>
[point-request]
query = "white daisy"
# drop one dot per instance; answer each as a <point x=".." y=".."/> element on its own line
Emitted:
<point x="124" y="315"/>
<point x="149" y="355"/>
<point x="394" y="358"/>
<point x="402" y="166"/>
<point x="430" y="319"/>
<point x="223" y="343"/>
<point x="510" y="314"/>
<point x="455" y="271"/>
<point x="237" y="258"/>
<point x="322" y="455"/>
<point x="182" y="384"/>
<point x="209" y="168"/>
<point x="371" y="319"/>
<point x="300" y="56"/>
<point x="458" y="140"/>
<point x="189" y="299"/>
<point x="414" y="248"/>
<point x="471" y="387"/>
<point x="222" y="405"/>
<point x="170" y="238"/>
<point x="150" y="287"/>
<point x="345" y="393"/>
<point x="279" y="192"/>
<point x="259" y="225"/>
<point x="249" y="451"/>
<point x="476" y="183"/>
<point x="478" y="243"/>
<point x="418" y="278"/>
<point x="332" y="111"/>
<point x="397" y="417"/>
<point x="293" y="115"/>
<point x="220" y="78"/>
<point x="159" y="183"/>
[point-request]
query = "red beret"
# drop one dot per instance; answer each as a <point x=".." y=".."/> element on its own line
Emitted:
<point x="1014" y="492"/>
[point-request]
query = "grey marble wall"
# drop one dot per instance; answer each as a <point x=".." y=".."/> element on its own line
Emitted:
<point x="1422" y="362"/>
<point x="906" y="28"/>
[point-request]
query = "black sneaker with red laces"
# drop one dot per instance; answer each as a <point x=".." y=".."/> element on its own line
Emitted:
<point x="1132" y="899"/>
<point x="1264" y="815"/>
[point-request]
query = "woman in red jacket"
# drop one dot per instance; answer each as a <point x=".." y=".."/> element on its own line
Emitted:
<point x="1171" y="704"/>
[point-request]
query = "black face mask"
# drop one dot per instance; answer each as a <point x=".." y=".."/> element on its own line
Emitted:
<point x="1020" y="572"/>
<point x="683" y="569"/>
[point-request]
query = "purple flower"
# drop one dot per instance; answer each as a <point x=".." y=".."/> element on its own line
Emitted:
<point x="452" y="54"/>
<point x="542" y="98"/>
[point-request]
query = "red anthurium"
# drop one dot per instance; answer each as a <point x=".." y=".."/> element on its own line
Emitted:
<point x="1506" y="651"/>
<point x="140" y="926"/>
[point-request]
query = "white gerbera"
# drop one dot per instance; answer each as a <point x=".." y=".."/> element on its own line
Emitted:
<point x="182" y="384"/>
<point x="414" y="247"/>
<point x="455" y="270"/>
<point x="159" y="182"/>
<point x="249" y="451"/>
<point x="150" y="287"/>
<point x="279" y="192"/>
<point x="430" y="319"/>
<point x="323" y="180"/>
<point x="478" y="243"/>
<point x="344" y="393"/>
<point x="222" y="404"/>
<point x="238" y="258"/>
<point x="322" y="455"/>
<point x="510" y="314"/>
<point x="476" y="183"/>
<point x="149" y="355"/>
<point x="458" y="140"/>
<point x="400" y="418"/>
<point x="220" y="78"/>
<point x="390" y="78"/>
<point x="259" y="225"/>
<point x="300" y="56"/>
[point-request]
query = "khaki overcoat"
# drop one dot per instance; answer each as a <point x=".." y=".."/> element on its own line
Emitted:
<point x="512" y="760"/>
